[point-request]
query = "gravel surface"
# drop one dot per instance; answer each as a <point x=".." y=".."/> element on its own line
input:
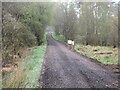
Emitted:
<point x="66" y="69"/>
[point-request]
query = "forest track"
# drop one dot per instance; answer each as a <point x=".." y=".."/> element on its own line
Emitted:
<point x="66" y="69"/>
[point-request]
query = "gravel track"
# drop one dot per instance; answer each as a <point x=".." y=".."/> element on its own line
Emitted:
<point x="66" y="69"/>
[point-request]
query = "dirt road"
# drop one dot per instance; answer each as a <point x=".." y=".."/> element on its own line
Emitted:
<point x="67" y="69"/>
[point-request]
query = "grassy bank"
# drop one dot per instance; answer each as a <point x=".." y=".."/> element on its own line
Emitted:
<point x="27" y="74"/>
<point x="32" y="67"/>
<point x="104" y="54"/>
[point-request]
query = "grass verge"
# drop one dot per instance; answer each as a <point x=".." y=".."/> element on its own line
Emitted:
<point x="27" y="74"/>
<point x="32" y="67"/>
<point x="104" y="54"/>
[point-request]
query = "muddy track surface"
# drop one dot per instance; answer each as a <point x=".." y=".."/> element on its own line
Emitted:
<point x="66" y="69"/>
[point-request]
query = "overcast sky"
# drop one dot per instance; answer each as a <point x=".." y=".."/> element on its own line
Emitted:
<point x="116" y="0"/>
<point x="89" y="0"/>
<point x="58" y="0"/>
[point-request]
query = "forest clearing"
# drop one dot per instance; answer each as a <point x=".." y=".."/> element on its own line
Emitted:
<point x="60" y="44"/>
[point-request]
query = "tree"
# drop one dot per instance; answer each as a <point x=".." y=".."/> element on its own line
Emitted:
<point x="90" y="23"/>
<point x="23" y="26"/>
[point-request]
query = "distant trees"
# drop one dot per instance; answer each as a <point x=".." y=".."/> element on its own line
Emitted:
<point x="93" y="23"/>
<point x="65" y="20"/>
<point x="23" y="26"/>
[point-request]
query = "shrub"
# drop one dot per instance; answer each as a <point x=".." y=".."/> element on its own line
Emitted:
<point x="15" y="35"/>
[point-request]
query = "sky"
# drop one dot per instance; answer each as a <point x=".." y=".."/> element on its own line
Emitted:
<point x="58" y="0"/>
<point x="89" y="0"/>
<point x="116" y="1"/>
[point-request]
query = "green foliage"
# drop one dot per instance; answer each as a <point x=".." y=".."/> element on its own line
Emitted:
<point x="15" y="36"/>
<point x="23" y="26"/>
<point x="37" y="30"/>
<point x="37" y="17"/>
<point x="44" y="39"/>
<point x="59" y="37"/>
